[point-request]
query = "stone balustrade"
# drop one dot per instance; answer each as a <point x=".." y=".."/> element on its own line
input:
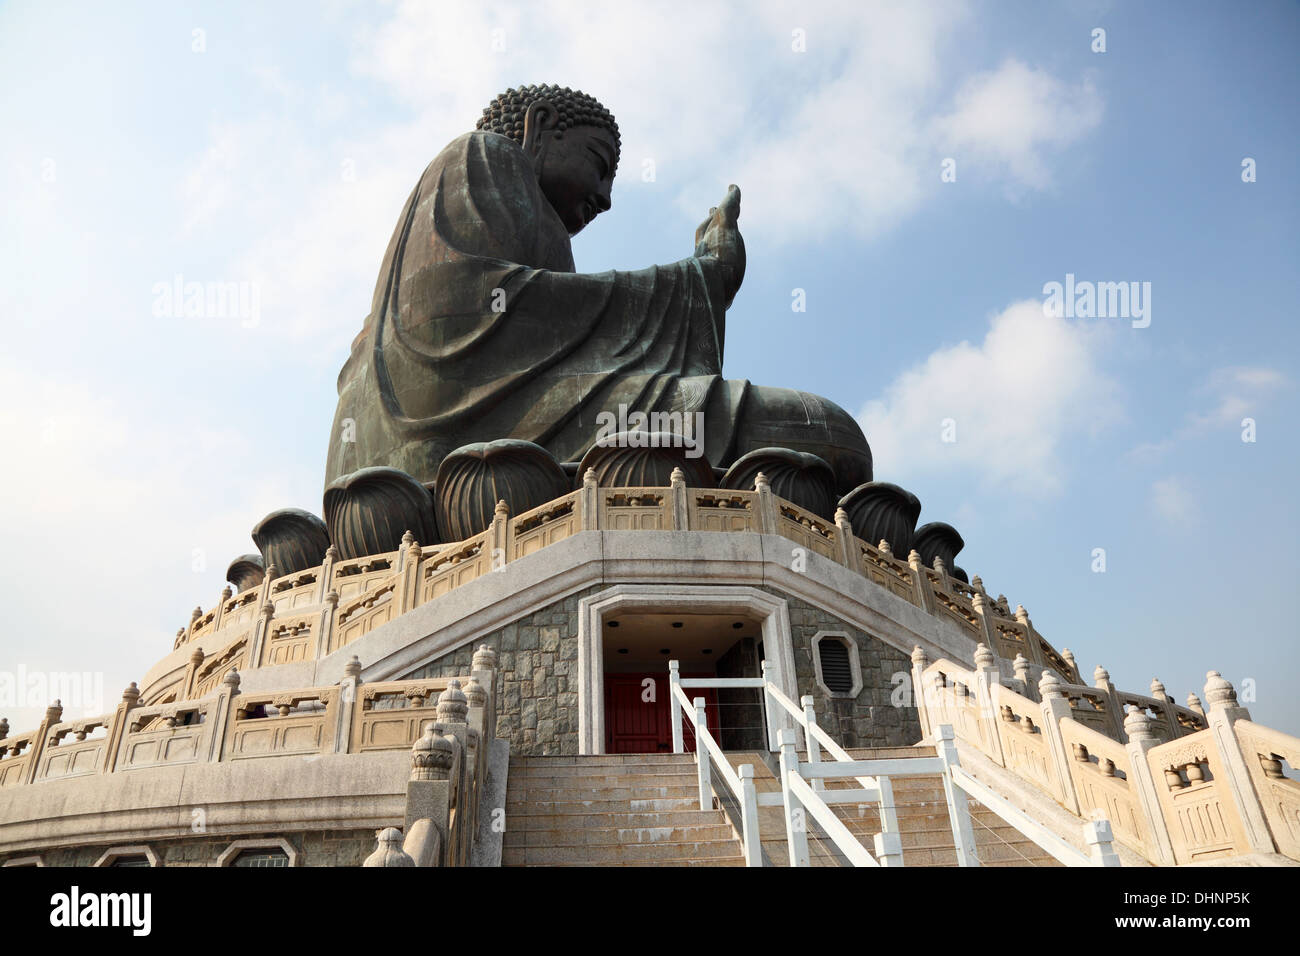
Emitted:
<point x="1177" y="784"/>
<point x="317" y="611"/>
<point x="229" y="725"/>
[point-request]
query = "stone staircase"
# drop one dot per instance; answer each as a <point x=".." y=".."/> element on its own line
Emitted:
<point x="612" y="810"/>
<point x="922" y="820"/>
<point x="643" y="810"/>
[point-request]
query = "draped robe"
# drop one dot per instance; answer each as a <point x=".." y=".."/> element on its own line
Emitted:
<point x="481" y="329"/>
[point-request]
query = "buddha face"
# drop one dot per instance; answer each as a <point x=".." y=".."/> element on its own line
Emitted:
<point x="576" y="172"/>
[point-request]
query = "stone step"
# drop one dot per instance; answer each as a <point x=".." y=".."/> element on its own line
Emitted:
<point x="580" y="781"/>
<point x="602" y="760"/>
<point x="517" y="797"/>
<point x="624" y="853"/>
<point x="619" y="836"/>
<point x="595" y="805"/>
<point x="618" y="818"/>
<point x="678" y="861"/>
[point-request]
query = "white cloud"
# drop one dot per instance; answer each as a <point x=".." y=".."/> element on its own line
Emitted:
<point x="1032" y="385"/>
<point x="1234" y="393"/>
<point x="1173" y="501"/>
<point x="1007" y="120"/>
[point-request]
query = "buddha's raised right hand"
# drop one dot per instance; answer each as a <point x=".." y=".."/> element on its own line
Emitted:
<point x="718" y="237"/>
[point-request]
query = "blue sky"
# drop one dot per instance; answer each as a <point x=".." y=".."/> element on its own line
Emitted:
<point x="276" y="146"/>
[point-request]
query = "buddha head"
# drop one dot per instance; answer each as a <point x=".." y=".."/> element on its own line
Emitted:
<point x="572" y="142"/>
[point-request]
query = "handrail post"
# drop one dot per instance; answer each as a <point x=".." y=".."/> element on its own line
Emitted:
<point x="702" y="755"/>
<point x="810" y="741"/>
<point x="769" y="711"/>
<point x="1096" y="833"/>
<point x="749" y="817"/>
<point x="888" y="810"/>
<point x="963" y="836"/>
<point x="674" y="681"/>
<point x="796" y="817"/>
<point x="889" y="848"/>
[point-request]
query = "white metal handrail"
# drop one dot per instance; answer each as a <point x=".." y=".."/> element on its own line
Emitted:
<point x="739" y="781"/>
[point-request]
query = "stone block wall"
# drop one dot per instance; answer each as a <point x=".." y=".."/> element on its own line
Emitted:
<point x="537" y="677"/>
<point x="871" y="719"/>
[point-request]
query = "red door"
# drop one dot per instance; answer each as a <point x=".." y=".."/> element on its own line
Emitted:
<point x="637" y="718"/>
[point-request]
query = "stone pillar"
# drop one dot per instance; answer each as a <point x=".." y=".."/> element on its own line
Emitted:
<point x="389" y="851"/>
<point x="409" y="586"/>
<point x="919" y="694"/>
<point x="921" y="582"/>
<point x="117" y="728"/>
<point x="1223" y="713"/>
<point x="1056" y="707"/>
<point x="191" y="674"/>
<point x="1101" y="681"/>
<point x="222" y="718"/>
<point x="53" y="715"/>
<point x="1034" y="648"/>
<point x="349" y="704"/>
<point x="1021" y="667"/>
<point x="325" y="629"/>
<point x="985" y="628"/>
<point x="1137" y="730"/>
<point x="453" y="711"/>
<point x="987" y="676"/>
<point x="499" y="535"/>
<point x="260" y="630"/>
<point x="681" y="508"/>
<point x="326" y="582"/>
<point x="767" y="513"/>
<point x="589" y="502"/>
<point x="847" y="545"/>
<point x="428" y="791"/>
<point x="484" y="670"/>
<point x="226" y="594"/>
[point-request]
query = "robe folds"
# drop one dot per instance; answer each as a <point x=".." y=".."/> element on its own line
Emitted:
<point x="480" y="329"/>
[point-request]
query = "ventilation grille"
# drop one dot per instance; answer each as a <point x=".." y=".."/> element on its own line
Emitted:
<point x="837" y="675"/>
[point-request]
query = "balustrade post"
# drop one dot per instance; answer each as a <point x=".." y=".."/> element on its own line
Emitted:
<point x="453" y="710"/>
<point x="919" y="692"/>
<point x="963" y="835"/>
<point x="53" y="715"/>
<point x="680" y="507"/>
<point x="220" y="612"/>
<point x="1137" y="730"/>
<point x="191" y="678"/>
<point x="349" y="705"/>
<point x="1097" y="834"/>
<point x="1223" y="713"/>
<point x="500" y="535"/>
<point x="1074" y="677"/>
<point x="796" y="816"/>
<point x="846" y="541"/>
<point x="985" y="625"/>
<point x="1032" y="638"/>
<point x="702" y="756"/>
<point x="329" y="613"/>
<point x="810" y="742"/>
<point x="326" y="583"/>
<point x="921" y="582"/>
<point x="483" y="667"/>
<point x="260" y="629"/>
<point x="767" y="514"/>
<point x="987" y="676"/>
<point x="429" y="787"/>
<point x="674" y="706"/>
<point x="749" y="817"/>
<point x="589" y="502"/>
<point x="1101" y="681"/>
<point x="222" y="719"/>
<point x="117" y="728"/>
<point x="1056" y="708"/>
<point x="1027" y="687"/>
<point x="409" y="587"/>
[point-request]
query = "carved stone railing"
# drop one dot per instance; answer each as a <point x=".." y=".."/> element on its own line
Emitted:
<point x="227" y="725"/>
<point x="314" y="612"/>
<point x="1179" y="785"/>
